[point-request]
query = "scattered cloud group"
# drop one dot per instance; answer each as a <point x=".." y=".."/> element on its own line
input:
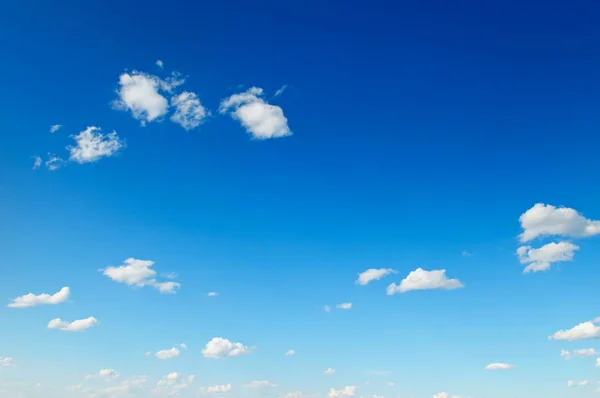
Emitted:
<point x="217" y="389"/>
<point x="139" y="273"/>
<point x="373" y="274"/>
<point x="32" y="300"/>
<point x="219" y="347"/>
<point x="421" y="279"/>
<point x="76" y="326"/>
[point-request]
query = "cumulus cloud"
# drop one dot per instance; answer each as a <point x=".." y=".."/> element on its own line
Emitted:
<point x="37" y="162"/>
<point x="189" y="112"/>
<point x="293" y="394"/>
<point x="54" y="162"/>
<point x="541" y="259"/>
<point x="421" y="279"/>
<point x="31" y="300"/>
<point x="348" y="391"/>
<point x="140" y="93"/>
<point x="583" y="331"/>
<point x="290" y="352"/>
<point x="444" y="395"/>
<point x="160" y="64"/>
<point x="76" y="326"/>
<point x="499" y="366"/>
<point x="344" y="306"/>
<point x="5" y="361"/>
<point x="373" y="274"/>
<point x="221" y="348"/>
<point x="167" y="354"/>
<point x="547" y="220"/>
<point x="54" y="128"/>
<point x="212" y="294"/>
<point x="261" y="119"/>
<point x="183" y="345"/>
<point x="105" y="374"/>
<point x="139" y="273"/>
<point x="260" y="384"/>
<point x="582" y="383"/>
<point x="584" y="352"/>
<point x="217" y="389"/>
<point x="92" y="145"/>
<point x="329" y="371"/>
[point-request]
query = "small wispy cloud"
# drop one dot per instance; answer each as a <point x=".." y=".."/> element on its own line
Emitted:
<point x="280" y="90"/>
<point x="55" y="127"/>
<point x="37" y="162"/>
<point x="160" y="64"/>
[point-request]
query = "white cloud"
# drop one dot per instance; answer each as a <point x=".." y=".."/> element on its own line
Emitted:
<point x="499" y="366"/>
<point x="582" y="383"/>
<point x="327" y="308"/>
<point x="5" y="361"/>
<point x="54" y="162"/>
<point x="583" y="331"/>
<point x="92" y="145"/>
<point x="183" y="345"/>
<point x="584" y="352"/>
<point x="31" y="300"/>
<point x="467" y="254"/>
<point x="293" y="394"/>
<point x="106" y="374"/>
<point x="189" y="112"/>
<point x="329" y="371"/>
<point x="37" y="162"/>
<point x="258" y="117"/>
<point x="260" y="384"/>
<point x="290" y="352"/>
<point x="160" y="64"/>
<point x="75" y="326"/>
<point x="218" y="389"/>
<point x="54" y="128"/>
<point x="344" y="306"/>
<point x="541" y="259"/>
<point x="547" y="220"/>
<point x="421" y="279"/>
<point x="220" y="348"/>
<point x="597" y="362"/>
<point x="167" y="354"/>
<point x="348" y="391"/>
<point x="212" y="294"/>
<point x="280" y="90"/>
<point x="373" y="274"/>
<point x="139" y="93"/>
<point x="138" y="273"/>
<point x="444" y="395"/>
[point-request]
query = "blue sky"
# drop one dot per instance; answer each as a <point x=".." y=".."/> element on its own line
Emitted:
<point x="277" y="151"/>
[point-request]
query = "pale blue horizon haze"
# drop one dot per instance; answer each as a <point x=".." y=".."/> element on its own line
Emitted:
<point x="263" y="157"/>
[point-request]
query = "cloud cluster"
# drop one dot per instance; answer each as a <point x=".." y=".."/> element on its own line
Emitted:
<point x="139" y="273"/>
<point x="584" y="352"/>
<point x="32" y="300"/>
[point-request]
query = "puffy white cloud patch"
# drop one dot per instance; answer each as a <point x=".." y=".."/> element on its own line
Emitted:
<point x="444" y="395"/>
<point x="160" y="64"/>
<point x="212" y="294"/>
<point x="260" y="384"/>
<point x="105" y="374"/>
<point x="329" y="371"/>
<point x="293" y="394"/>
<point x="261" y="119"/>
<point x="92" y="145"/>
<point x="189" y="112"/>
<point x="167" y="354"/>
<point x="183" y="345"/>
<point x="344" y="306"/>
<point x="5" y="361"/>
<point x="217" y="389"/>
<point x="54" y="128"/>
<point x="547" y="220"/>
<point x="348" y="391"/>
<point x="221" y="348"/>
<point x="54" y="162"/>
<point x="499" y="366"/>
<point x="31" y="300"/>
<point x="373" y="274"/>
<point x="140" y="94"/>
<point x="582" y="383"/>
<point x="37" y="162"/>
<point x="139" y="273"/>
<point x="583" y="331"/>
<point x="421" y="279"/>
<point x="584" y="352"/>
<point x="76" y="326"/>
<point x="290" y="352"/>
<point x="541" y="259"/>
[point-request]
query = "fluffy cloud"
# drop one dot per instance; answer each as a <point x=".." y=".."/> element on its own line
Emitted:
<point x="218" y="389"/>
<point x="54" y="162"/>
<point x="258" y="117"/>
<point x="31" y="300"/>
<point x="75" y="326"/>
<point x="37" y="162"/>
<point x="160" y="64"/>
<point x="348" y="391"/>
<point x="344" y="306"/>
<point x="5" y="361"/>
<point x="373" y="274"/>
<point x="582" y="383"/>
<point x="54" y="128"/>
<point x="105" y="374"/>
<point x="421" y="279"/>
<point x="220" y="348"/>
<point x="293" y="394"/>
<point x="499" y="366"/>
<point x="260" y="384"/>
<point x="290" y="352"/>
<point x="183" y="345"/>
<point x="138" y="273"/>
<point x="167" y="354"/>
<point x="189" y="112"/>
<point x="541" y="259"/>
<point x="583" y="331"/>
<point x="444" y="395"/>
<point x="92" y="145"/>
<point x="585" y="352"/>
<point x="329" y="371"/>
<point x="547" y="220"/>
